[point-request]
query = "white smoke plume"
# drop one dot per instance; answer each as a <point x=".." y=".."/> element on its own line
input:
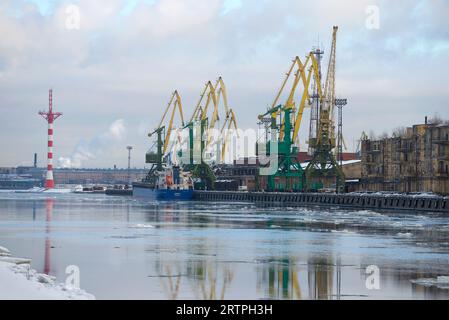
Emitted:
<point x="90" y="149"/>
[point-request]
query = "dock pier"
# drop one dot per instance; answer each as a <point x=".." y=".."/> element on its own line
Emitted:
<point x="375" y="201"/>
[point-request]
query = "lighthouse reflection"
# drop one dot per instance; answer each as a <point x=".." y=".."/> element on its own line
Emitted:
<point x="49" y="203"/>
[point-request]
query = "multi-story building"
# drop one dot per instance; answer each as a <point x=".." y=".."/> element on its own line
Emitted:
<point x="416" y="160"/>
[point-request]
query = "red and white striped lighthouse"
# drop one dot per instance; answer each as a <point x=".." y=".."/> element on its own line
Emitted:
<point x="50" y="117"/>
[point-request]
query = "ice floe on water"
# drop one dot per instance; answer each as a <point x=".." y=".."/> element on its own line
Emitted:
<point x="345" y="231"/>
<point x="441" y="282"/>
<point x="404" y="234"/>
<point x="25" y="283"/>
<point x="141" y="226"/>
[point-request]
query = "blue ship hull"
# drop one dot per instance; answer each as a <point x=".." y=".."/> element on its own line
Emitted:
<point x="145" y="192"/>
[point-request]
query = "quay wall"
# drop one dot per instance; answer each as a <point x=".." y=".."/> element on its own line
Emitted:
<point x="357" y="201"/>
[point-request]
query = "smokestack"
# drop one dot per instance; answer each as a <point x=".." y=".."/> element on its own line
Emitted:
<point x="35" y="160"/>
<point x="425" y="120"/>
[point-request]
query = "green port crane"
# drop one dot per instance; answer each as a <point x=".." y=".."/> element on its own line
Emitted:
<point x="288" y="169"/>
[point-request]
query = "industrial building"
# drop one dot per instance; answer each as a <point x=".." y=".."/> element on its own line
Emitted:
<point x="12" y="178"/>
<point x="414" y="160"/>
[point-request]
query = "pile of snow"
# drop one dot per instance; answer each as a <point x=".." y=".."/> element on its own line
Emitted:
<point x="4" y="252"/>
<point x="24" y="283"/>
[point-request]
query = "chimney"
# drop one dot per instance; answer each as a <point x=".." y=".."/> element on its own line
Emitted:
<point x="35" y="160"/>
<point x="425" y="120"/>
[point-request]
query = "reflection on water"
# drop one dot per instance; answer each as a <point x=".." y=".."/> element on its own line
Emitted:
<point x="129" y="249"/>
<point x="49" y="212"/>
<point x="278" y="279"/>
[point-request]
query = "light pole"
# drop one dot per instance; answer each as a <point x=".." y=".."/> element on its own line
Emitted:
<point x="129" y="164"/>
<point x="340" y="103"/>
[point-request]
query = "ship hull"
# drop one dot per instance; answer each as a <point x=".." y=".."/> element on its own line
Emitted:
<point x="146" y="192"/>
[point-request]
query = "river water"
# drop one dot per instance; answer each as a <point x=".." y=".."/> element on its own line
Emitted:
<point x="128" y="249"/>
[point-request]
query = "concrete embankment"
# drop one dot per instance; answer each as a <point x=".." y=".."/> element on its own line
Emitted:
<point x="355" y="201"/>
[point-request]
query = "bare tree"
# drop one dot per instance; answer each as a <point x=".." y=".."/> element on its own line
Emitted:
<point x="384" y="135"/>
<point x="435" y="119"/>
<point x="399" y="132"/>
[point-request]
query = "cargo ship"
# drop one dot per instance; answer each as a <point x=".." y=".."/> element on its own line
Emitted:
<point x="169" y="184"/>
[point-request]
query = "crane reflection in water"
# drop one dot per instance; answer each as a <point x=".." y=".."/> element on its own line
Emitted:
<point x="280" y="278"/>
<point x="205" y="279"/>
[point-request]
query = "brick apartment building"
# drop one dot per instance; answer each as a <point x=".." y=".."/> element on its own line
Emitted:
<point x="416" y="160"/>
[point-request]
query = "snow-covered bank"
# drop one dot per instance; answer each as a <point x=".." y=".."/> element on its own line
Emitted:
<point x="20" y="282"/>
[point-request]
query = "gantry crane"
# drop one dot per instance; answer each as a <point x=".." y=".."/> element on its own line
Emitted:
<point x="285" y="121"/>
<point x="157" y="159"/>
<point x="323" y="164"/>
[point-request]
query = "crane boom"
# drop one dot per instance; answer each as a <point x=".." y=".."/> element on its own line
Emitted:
<point x="230" y="120"/>
<point x="176" y="104"/>
<point x="200" y="113"/>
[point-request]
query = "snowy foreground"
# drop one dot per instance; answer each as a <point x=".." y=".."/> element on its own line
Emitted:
<point x="19" y="282"/>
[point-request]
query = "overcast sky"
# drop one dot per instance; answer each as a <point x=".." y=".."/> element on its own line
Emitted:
<point x="113" y="76"/>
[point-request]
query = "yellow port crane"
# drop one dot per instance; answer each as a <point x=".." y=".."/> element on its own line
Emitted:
<point x="220" y="90"/>
<point x="229" y="121"/>
<point x="303" y="73"/>
<point x="173" y="104"/>
<point x="201" y="170"/>
<point x="213" y="94"/>
<point x="323" y="164"/>
<point x="200" y="112"/>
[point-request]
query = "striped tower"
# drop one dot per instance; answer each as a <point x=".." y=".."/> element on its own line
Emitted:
<point x="50" y="117"/>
